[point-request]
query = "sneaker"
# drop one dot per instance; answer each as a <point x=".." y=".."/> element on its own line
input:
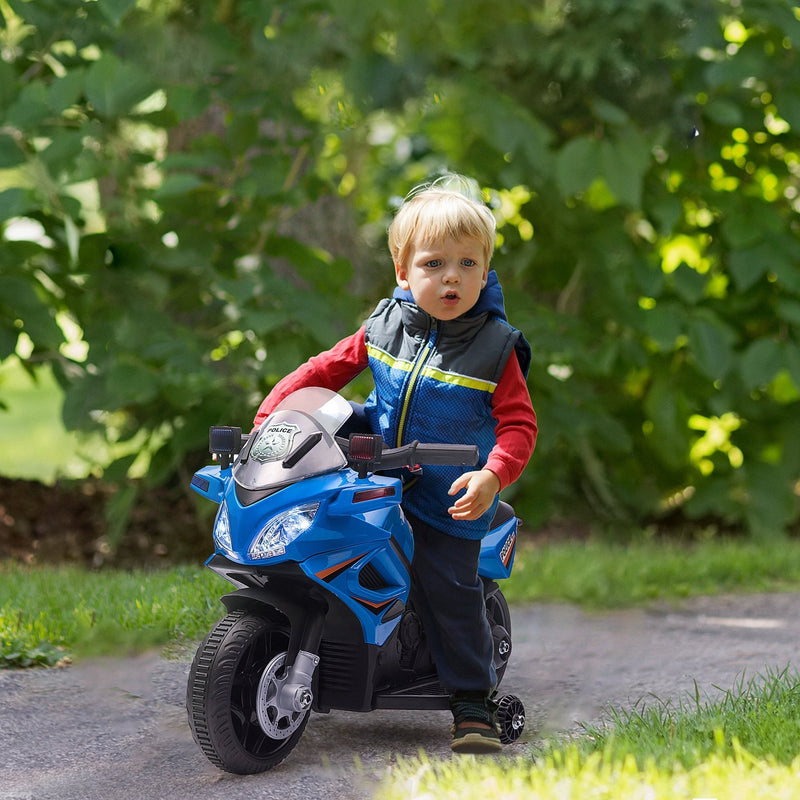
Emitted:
<point x="475" y="729"/>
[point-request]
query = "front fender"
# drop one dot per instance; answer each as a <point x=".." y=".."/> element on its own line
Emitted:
<point x="262" y="602"/>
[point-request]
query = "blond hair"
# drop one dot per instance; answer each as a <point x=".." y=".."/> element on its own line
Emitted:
<point x="446" y="208"/>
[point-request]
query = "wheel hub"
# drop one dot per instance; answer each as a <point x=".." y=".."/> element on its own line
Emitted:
<point x="278" y="718"/>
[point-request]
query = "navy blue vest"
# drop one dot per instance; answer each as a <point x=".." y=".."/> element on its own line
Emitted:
<point x="434" y="382"/>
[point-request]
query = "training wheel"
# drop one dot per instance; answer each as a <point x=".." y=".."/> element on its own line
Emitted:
<point x="511" y="716"/>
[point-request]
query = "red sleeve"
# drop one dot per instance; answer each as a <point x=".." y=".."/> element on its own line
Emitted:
<point x="516" y="428"/>
<point x="331" y="369"/>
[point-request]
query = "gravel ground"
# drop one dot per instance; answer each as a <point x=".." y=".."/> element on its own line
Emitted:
<point x="116" y="729"/>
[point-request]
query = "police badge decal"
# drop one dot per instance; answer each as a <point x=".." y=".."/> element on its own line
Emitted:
<point x="275" y="442"/>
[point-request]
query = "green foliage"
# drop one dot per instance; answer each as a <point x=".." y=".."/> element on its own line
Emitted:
<point x="740" y="743"/>
<point x="198" y="191"/>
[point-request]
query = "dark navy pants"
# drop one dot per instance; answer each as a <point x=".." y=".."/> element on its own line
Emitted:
<point x="448" y="595"/>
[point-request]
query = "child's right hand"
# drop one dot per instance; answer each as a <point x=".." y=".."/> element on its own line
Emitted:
<point x="481" y="488"/>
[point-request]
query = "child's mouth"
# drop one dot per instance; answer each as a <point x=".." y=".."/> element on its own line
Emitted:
<point x="450" y="298"/>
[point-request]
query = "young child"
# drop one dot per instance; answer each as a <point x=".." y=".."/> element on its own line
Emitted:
<point x="447" y="368"/>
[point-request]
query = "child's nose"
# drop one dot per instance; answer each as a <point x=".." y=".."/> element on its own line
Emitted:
<point x="450" y="274"/>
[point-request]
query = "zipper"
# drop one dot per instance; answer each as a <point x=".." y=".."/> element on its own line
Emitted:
<point x="422" y="358"/>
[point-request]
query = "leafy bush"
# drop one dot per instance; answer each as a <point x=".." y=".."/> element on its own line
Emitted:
<point x="193" y="199"/>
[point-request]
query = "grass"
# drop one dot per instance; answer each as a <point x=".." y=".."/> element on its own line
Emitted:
<point x="742" y="745"/>
<point x="598" y="574"/>
<point x="760" y="716"/>
<point x="51" y="613"/>
<point x="47" y="613"/>
<point x="570" y="777"/>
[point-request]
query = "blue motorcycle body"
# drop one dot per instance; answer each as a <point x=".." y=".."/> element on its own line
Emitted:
<point x="319" y="551"/>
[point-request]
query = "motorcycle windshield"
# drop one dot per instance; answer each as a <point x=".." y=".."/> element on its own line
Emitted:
<point x="295" y="441"/>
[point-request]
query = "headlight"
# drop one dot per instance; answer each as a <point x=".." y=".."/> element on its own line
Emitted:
<point x="282" y="530"/>
<point x="222" y="529"/>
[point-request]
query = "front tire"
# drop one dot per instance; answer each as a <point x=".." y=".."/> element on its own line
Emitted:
<point x="223" y="689"/>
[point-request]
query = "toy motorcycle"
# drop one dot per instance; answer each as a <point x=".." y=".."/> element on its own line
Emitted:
<point x="319" y="551"/>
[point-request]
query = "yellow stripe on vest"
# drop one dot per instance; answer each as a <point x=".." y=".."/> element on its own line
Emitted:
<point x="453" y="378"/>
<point x="389" y="360"/>
<point x="459" y="380"/>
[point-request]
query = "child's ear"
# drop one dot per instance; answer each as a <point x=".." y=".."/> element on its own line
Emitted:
<point x="401" y="273"/>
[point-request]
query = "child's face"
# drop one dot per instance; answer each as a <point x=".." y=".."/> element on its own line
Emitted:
<point x="445" y="277"/>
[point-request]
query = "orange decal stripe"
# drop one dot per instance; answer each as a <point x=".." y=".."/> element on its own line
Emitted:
<point x="326" y="573"/>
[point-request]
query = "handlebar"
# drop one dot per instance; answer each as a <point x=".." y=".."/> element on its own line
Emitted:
<point x="410" y="455"/>
<point x="365" y="452"/>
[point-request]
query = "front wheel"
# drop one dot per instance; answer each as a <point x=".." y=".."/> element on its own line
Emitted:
<point x="227" y="688"/>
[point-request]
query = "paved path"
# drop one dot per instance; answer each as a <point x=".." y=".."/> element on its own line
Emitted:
<point x="117" y="730"/>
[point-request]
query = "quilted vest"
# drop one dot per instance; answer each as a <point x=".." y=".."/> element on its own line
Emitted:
<point x="434" y="382"/>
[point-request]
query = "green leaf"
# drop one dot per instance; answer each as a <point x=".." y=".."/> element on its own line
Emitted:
<point x="788" y="104"/>
<point x="8" y="341"/>
<point x="116" y="10"/>
<point x="63" y="151"/>
<point x="788" y="274"/>
<point x="666" y="210"/>
<point x="22" y="300"/>
<point x="749" y="266"/>
<point x="113" y="87"/>
<point x="713" y="497"/>
<point x="664" y="324"/>
<point x="577" y="165"/>
<point x="733" y="71"/>
<point x="710" y="343"/>
<point x="724" y="112"/>
<point x="792" y="355"/>
<point x="129" y="382"/>
<point x="689" y="283"/>
<point x="789" y="311"/>
<point x="187" y="102"/>
<point x="83" y="396"/>
<point x="65" y="92"/>
<point x="771" y="502"/>
<point x="665" y="404"/>
<point x="739" y="226"/>
<point x="8" y="84"/>
<point x="760" y="362"/>
<point x="117" y="471"/>
<point x="30" y="107"/>
<point x="609" y="112"/>
<point x="177" y="184"/>
<point x="623" y="164"/>
<point x="10" y="153"/>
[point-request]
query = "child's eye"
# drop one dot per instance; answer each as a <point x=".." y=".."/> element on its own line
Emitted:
<point x="468" y="262"/>
<point x="433" y="263"/>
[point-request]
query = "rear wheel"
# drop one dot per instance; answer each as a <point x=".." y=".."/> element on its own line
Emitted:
<point x="500" y="625"/>
<point x="511" y="718"/>
<point x="231" y="677"/>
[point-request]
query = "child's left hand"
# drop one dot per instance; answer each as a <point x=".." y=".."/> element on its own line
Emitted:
<point x="482" y="486"/>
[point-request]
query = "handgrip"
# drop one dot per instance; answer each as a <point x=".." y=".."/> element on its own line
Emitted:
<point x="457" y="455"/>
